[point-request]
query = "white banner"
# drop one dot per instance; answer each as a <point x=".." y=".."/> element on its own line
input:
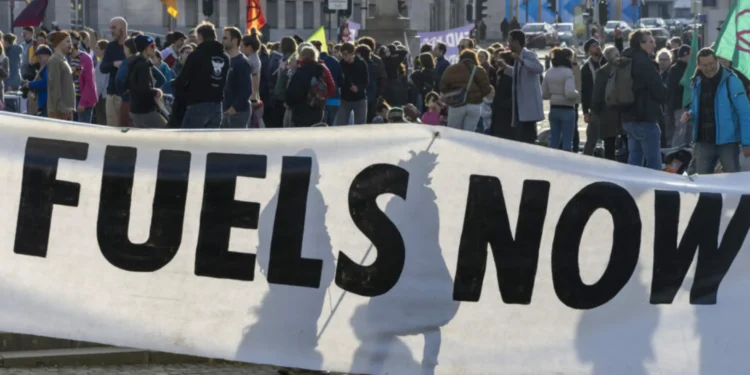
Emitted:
<point x="364" y="249"/>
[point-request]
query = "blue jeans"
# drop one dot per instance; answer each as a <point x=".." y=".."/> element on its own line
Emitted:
<point x="562" y="124"/>
<point x="644" y="141"/>
<point x="203" y="116"/>
<point x="330" y="115"/>
<point x="85" y="116"/>
<point x="707" y="154"/>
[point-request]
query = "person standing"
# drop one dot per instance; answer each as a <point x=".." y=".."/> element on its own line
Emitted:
<point x="113" y="57"/>
<point x="29" y="50"/>
<point x="467" y="77"/>
<point x="236" y="105"/>
<point x="441" y="63"/>
<point x="14" y="53"/>
<point x="140" y="82"/>
<point x="678" y="134"/>
<point x="527" y="89"/>
<point x="606" y="119"/>
<point x="40" y="83"/>
<point x="304" y="111"/>
<point x="641" y="119"/>
<point x="353" y="87"/>
<point x="172" y="53"/>
<point x="721" y="113"/>
<point x="203" y="79"/>
<point x="4" y="67"/>
<point x="84" y="80"/>
<point x="102" y="83"/>
<point x="61" y="92"/>
<point x="333" y="65"/>
<point x="559" y="88"/>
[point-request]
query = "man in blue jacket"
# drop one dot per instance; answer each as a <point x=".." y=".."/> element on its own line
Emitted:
<point x="721" y="115"/>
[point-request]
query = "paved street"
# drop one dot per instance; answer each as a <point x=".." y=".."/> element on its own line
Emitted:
<point x="218" y="369"/>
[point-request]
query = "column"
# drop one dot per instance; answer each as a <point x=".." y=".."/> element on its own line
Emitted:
<point x="299" y="9"/>
<point x="181" y="14"/>
<point x="243" y="14"/>
<point x="281" y="12"/>
<point x="316" y="14"/>
<point x="446" y="7"/>
<point x="364" y="5"/>
<point x="222" y="9"/>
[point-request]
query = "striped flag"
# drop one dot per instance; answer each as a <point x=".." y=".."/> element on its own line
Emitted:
<point x="32" y="14"/>
<point x="171" y="7"/>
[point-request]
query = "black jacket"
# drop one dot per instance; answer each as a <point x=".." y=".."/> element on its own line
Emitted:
<point x="140" y="83"/>
<point x="650" y="92"/>
<point x="355" y="74"/>
<point x="303" y="115"/>
<point x="204" y="75"/>
<point x="588" y="73"/>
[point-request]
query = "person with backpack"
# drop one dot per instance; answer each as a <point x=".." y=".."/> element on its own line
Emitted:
<point x="333" y="65"/>
<point x="637" y="88"/>
<point x="354" y="82"/>
<point x="308" y="90"/>
<point x="721" y="113"/>
<point x="605" y="119"/>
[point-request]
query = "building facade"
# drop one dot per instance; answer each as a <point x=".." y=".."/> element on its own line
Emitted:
<point x="284" y="17"/>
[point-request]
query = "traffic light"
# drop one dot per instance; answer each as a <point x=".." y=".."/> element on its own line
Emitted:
<point x="470" y="16"/>
<point x="348" y="12"/>
<point x="481" y="11"/>
<point x="603" y="9"/>
<point x="208" y="8"/>
<point x="402" y="7"/>
<point x="588" y="15"/>
<point x="552" y="5"/>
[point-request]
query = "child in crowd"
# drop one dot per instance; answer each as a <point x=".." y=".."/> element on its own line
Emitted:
<point x="381" y="112"/>
<point x="433" y="116"/>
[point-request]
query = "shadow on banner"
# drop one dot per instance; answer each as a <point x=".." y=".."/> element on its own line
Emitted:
<point x="403" y="311"/>
<point x="287" y="319"/>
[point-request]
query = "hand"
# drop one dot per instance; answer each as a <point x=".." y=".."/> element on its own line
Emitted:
<point x="25" y="84"/>
<point x="685" y="117"/>
<point x="158" y="94"/>
<point x="586" y="118"/>
<point x="517" y="57"/>
<point x="230" y="111"/>
<point x="117" y="64"/>
<point x="501" y="64"/>
<point x="81" y="109"/>
<point x="354" y="88"/>
<point x="746" y="151"/>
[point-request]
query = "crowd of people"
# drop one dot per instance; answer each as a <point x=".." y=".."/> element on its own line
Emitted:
<point x="629" y="97"/>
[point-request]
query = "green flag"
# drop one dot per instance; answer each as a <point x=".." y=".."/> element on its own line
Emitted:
<point x="733" y="42"/>
<point x="687" y="92"/>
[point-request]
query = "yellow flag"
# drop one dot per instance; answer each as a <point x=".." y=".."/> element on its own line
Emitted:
<point x="171" y="7"/>
<point x="320" y="35"/>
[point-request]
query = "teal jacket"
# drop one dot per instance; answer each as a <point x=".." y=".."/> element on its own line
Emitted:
<point x="732" y="110"/>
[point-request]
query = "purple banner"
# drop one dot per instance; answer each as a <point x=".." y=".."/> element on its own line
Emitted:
<point x="353" y="29"/>
<point x="449" y="37"/>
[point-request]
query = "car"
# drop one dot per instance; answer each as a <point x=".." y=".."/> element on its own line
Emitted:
<point x="565" y="33"/>
<point x="661" y="36"/>
<point x="651" y="23"/>
<point x="609" y="29"/>
<point x="540" y="35"/>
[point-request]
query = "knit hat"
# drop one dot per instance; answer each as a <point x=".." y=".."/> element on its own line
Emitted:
<point x="588" y="44"/>
<point x="683" y="51"/>
<point x="142" y="42"/>
<point x="43" y="50"/>
<point x="56" y="37"/>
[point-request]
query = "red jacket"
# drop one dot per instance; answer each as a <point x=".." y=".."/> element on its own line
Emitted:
<point x="331" y="85"/>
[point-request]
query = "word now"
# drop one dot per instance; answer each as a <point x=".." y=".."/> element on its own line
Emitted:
<point x="486" y="225"/>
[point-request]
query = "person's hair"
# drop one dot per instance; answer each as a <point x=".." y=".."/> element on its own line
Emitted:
<point x="207" y="31"/>
<point x="440" y="46"/>
<point x="186" y="47"/>
<point x="497" y="45"/>
<point x="102" y="44"/>
<point x="192" y="31"/>
<point x="252" y="40"/>
<point x="425" y="48"/>
<point x="121" y="21"/>
<point x="29" y="29"/>
<point x="275" y="46"/>
<point x="561" y="57"/>
<point x="519" y="36"/>
<point x="677" y="40"/>
<point x="74" y="35"/>
<point x="235" y="34"/>
<point x="130" y="45"/>
<point x="288" y="45"/>
<point x="364" y="51"/>
<point x="9" y="38"/>
<point x="637" y="37"/>
<point x="42" y="34"/>
<point x="484" y="52"/>
<point x="84" y="34"/>
<point x="609" y="52"/>
<point x="318" y="45"/>
<point x="308" y="54"/>
<point x="469" y="43"/>
<point x="427" y="60"/>
<point x="706" y="52"/>
<point x="368" y="41"/>
<point x="663" y="51"/>
<point x="432" y="95"/>
<point x="337" y="47"/>
<point x="468" y="54"/>
<point x="506" y="56"/>
<point x="347" y="48"/>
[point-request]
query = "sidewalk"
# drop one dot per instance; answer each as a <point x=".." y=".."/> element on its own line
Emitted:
<point x="218" y="369"/>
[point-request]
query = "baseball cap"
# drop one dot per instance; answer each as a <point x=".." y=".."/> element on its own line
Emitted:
<point x="683" y="51"/>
